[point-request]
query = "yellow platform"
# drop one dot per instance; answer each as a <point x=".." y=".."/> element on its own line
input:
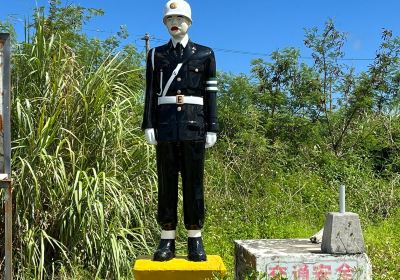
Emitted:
<point x="178" y="268"/>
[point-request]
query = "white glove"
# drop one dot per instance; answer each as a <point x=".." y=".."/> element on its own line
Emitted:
<point x="211" y="138"/>
<point x="150" y="136"/>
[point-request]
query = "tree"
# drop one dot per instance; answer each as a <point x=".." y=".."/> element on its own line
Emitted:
<point x="385" y="73"/>
<point x="327" y="50"/>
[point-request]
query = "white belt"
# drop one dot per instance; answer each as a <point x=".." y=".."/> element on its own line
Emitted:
<point x="180" y="100"/>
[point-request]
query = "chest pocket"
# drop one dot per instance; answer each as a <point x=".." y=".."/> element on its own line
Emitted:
<point x="195" y="75"/>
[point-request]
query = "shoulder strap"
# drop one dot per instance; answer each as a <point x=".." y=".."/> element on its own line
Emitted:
<point x="153" y="50"/>
<point x="174" y="74"/>
<point x="171" y="79"/>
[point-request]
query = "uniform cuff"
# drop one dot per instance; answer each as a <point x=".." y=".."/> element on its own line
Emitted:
<point x="212" y="127"/>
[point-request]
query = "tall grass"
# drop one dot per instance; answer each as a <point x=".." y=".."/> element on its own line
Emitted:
<point x="83" y="181"/>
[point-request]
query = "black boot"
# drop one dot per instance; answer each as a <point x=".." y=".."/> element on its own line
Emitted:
<point x="165" y="250"/>
<point x="196" y="251"/>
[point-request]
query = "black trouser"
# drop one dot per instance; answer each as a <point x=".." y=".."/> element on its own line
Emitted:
<point x="188" y="158"/>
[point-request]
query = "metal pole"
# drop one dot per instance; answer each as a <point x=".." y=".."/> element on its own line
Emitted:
<point x="6" y="169"/>
<point x="342" y="199"/>
<point x="8" y="273"/>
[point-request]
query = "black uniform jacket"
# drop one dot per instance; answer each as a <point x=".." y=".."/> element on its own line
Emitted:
<point x="197" y="77"/>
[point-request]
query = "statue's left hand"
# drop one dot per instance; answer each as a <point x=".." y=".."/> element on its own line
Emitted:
<point x="211" y="138"/>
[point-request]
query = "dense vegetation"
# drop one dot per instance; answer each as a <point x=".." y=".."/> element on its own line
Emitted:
<point x="291" y="133"/>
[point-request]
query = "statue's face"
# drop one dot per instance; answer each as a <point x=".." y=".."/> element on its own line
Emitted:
<point x="178" y="26"/>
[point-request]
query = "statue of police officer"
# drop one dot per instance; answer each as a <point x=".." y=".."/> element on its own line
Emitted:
<point x="180" y="118"/>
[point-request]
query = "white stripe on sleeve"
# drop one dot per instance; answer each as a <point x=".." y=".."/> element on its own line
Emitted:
<point x="212" y="88"/>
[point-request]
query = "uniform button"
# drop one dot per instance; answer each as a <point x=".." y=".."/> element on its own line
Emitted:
<point x="179" y="79"/>
<point x="179" y="91"/>
<point x="179" y="109"/>
<point x="196" y="70"/>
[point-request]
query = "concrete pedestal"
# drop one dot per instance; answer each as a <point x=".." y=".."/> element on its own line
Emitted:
<point x="342" y="234"/>
<point x="296" y="259"/>
<point x="178" y="268"/>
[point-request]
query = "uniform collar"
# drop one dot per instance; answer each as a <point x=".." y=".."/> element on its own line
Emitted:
<point x="184" y="41"/>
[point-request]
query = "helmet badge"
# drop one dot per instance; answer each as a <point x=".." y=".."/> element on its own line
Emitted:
<point x="173" y="5"/>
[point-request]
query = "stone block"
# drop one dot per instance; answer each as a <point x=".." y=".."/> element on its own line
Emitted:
<point x="178" y="268"/>
<point x="342" y="234"/>
<point x="296" y="259"/>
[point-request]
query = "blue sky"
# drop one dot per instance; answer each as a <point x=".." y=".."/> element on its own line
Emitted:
<point x="255" y="26"/>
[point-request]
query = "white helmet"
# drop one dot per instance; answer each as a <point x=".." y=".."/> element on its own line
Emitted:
<point x="177" y="7"/>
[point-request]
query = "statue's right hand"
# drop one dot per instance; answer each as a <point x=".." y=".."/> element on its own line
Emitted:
<point x="150" y="136"/>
